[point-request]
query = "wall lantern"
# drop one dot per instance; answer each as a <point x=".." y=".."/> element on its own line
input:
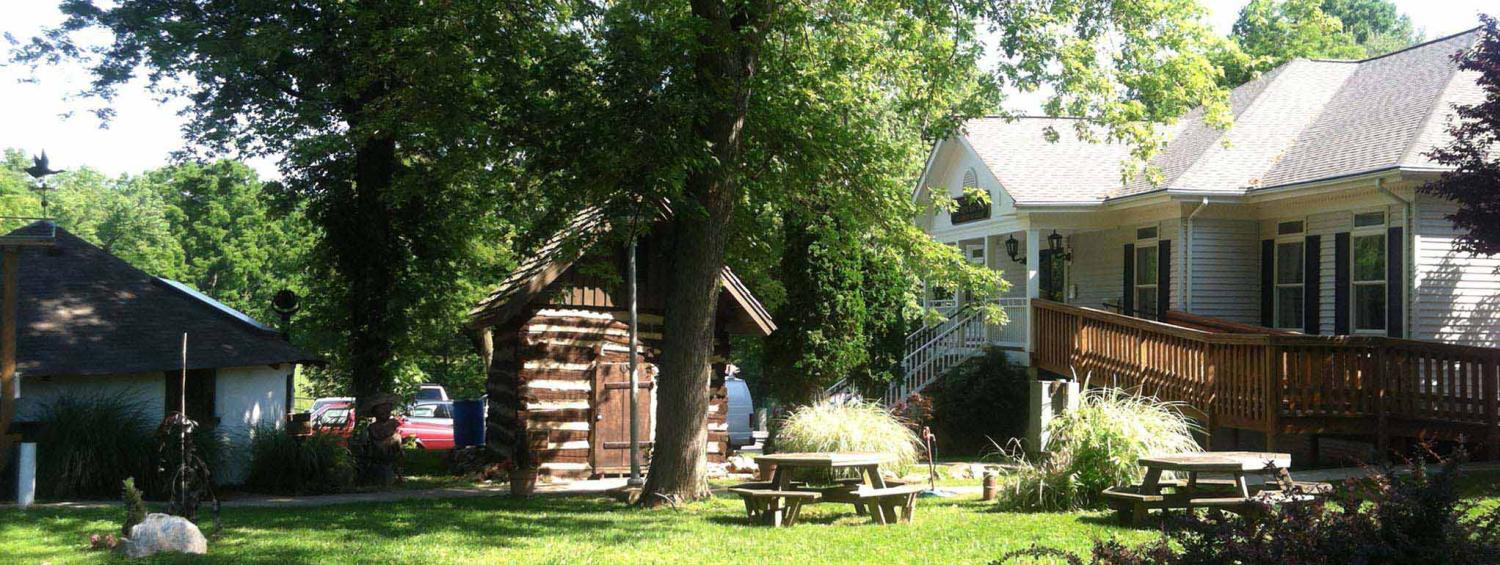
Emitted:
<point x="1013" y="248"/>
<point x="1055" y="243"/>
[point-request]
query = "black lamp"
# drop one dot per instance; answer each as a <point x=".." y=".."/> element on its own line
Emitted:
<point x="1055" y="243"/>
<point x="1012" y="248"/>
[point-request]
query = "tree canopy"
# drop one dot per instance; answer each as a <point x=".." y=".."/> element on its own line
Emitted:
<point x="1271" y="32"/>
<point x="1474" y="151"/>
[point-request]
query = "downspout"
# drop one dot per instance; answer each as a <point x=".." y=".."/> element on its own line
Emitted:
<point x="1187" y="259"/>
<point x="1408" y="253"/>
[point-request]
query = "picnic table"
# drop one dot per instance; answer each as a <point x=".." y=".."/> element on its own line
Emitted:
<point x="1235" y="494"/>
<point x="778" y="502"/>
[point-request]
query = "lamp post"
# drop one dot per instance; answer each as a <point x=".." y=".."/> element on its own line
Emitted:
<point x="635" y="432"/>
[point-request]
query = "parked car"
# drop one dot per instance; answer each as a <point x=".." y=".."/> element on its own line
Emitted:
<point x="336" y="416"/>
<point x="429" y="391"/>
<point x="325" y="401"/>
<point x="429" y="424"/>
<point x="740" y="413"/>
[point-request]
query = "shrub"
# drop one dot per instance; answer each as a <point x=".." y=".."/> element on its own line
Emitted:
<point x="1415" y="517"/>
<point x="284" y="464"/>
<point x="1096" y="447"/>
<point x="135" y="507"/>
<point x="981" y="403"/>
<point x="90" y="444"/>
<point x="847" y="424"/>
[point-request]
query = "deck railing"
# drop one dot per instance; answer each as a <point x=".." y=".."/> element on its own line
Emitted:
<point x="1280" y="383"/>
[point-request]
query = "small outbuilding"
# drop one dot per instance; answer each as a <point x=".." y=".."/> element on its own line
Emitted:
<point x="92" y="325"/>
<point x="555" y="338"/>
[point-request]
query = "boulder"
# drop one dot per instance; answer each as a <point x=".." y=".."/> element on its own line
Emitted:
<point x="164" y="533"/>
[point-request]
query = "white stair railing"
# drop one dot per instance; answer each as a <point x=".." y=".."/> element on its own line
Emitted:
<point x="954" y="341"/>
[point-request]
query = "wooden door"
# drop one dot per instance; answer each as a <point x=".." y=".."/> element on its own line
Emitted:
<point x="611" y="434"/>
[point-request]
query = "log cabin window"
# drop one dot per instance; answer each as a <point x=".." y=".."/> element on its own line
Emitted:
<point x="1289" y="289"/>
<point x="1368" y="272"/>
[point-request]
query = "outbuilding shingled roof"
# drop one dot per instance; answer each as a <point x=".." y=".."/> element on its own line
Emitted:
<point x="82" y="311"/>
<point x="1305" y="121"/>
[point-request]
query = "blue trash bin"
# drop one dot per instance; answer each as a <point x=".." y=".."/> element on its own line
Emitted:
<point x="468" y="423"/>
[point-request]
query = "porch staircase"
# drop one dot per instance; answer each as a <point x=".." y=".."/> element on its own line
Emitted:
<point x="932" y="351"/>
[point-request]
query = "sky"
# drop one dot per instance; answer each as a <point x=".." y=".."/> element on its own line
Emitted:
<point x="42" y="110"/>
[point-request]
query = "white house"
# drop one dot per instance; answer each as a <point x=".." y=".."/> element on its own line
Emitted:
<point x="1302" y="216"/>
<point x="91" y="324"/>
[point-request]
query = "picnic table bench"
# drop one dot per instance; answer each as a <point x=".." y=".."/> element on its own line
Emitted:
<point x="1133" y="502"/>
<point x="778" y="501"/>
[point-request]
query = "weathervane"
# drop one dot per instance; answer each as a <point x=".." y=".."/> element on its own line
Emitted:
<point x="39" y="171"/>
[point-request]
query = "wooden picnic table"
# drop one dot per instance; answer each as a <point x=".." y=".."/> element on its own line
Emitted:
<point x="887" y="503"/>
<point x="1234" y="494"/>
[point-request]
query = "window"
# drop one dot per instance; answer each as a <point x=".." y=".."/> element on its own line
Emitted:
<point x="1368" y="277"/>
<point x="1145" y="280"/>
<point x="1146" y="233"/>
<point x="336" y="417"/>
<point x="1290" y="228"/>
<point x="1289" y="267"/>
<point x="1369" y="219"/>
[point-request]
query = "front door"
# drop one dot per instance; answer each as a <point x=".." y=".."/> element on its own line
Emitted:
<point x="1053" y="272"/>
<point x="611" y="437"/>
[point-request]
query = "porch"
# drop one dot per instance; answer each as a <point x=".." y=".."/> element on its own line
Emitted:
<point x="1280" y="383"/>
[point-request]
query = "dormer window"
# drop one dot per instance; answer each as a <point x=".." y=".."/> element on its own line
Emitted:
<point x="971" y="208"/>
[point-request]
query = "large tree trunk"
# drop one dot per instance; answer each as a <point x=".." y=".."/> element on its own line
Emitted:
<point x="369" y="259"/>
<point x="701" y="229"/>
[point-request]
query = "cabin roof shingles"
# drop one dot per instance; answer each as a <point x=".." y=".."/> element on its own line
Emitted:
<point x="82" y="311"/>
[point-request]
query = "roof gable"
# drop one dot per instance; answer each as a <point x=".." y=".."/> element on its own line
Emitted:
<point x="557" y="254"/>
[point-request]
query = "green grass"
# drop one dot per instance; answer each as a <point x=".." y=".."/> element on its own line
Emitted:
<point x="577" y="530"/>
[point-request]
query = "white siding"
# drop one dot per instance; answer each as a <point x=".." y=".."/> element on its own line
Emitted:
<point x="1457" y="297"/>
<point x="146" y="390"/>
<point x="1098" y="264"/>
<point x="1226" y="269"/>
<point x="245" y="398"/>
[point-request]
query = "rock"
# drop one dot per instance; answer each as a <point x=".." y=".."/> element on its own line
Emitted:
<point x="163" y="533"/>
<point x="742" y="464"/>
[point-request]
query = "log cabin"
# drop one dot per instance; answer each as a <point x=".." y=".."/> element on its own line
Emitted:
<point x="555" y="339"/>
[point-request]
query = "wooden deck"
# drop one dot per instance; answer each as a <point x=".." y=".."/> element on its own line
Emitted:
<point x="1278" y="383"/>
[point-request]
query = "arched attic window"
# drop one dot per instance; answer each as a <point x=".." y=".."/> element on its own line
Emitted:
<point x="970" y="208"/>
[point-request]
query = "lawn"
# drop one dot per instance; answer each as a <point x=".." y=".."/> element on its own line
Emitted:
<point x="578" y="530"/>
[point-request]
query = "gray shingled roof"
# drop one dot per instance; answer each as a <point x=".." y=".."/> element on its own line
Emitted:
<point x="83" y="311"/>
<point x="1031" y="169"/>
<point x="1304" y="121"/>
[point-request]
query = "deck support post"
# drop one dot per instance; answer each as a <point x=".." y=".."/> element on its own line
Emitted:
<point x="1272" y="392"/>
<point x="1488" y="383"/>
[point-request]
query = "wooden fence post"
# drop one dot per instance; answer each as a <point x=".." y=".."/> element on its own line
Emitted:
<point x="1382" y="362"/>
<point x="1487" y="382"/>
<point x="1273" y="394"/>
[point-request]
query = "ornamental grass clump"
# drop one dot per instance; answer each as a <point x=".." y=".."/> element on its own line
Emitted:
<point x="1097" y="447"/>
<point x="848" y="425"/>
<point x="92" y="443"/>
<point x="284" y="464"/>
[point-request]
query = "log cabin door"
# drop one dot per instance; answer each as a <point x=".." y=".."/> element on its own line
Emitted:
<point x="611" y="433"/>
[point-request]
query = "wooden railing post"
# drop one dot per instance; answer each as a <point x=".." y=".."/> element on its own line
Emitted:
<point x="1382" y="360"/>
<point x="1270" y="376"/>
<point x="1488" y="383"/>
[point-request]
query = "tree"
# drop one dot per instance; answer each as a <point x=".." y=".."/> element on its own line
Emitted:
<point x="1474" y="152"/>
<point x="394" y="119"/>
<point x="1269" y="33"/>
<point x="1375" y="24"/>
<point x="735" y="112"/>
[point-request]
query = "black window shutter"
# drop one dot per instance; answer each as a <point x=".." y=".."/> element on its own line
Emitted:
<point x="1312" y="284"/>
<point x="1127" y="303"/>
<point x="1341" y="288"/>
<point x="1395" y="245"/>
<point x="1267" y="282"/>
<point x="1163" y="278"/>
